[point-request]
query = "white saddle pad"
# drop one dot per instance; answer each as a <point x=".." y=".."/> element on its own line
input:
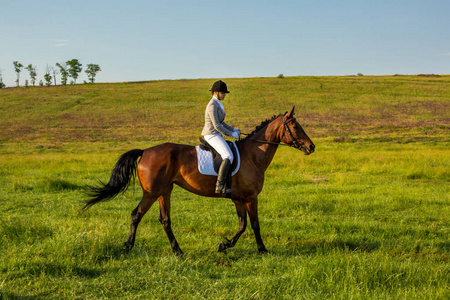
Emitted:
<point x="205" y="162"/>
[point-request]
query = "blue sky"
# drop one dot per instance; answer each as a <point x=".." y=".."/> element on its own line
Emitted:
<point x="137" y="40"/>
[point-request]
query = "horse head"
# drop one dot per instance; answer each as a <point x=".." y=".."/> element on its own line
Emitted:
<point x="294" y="135"/>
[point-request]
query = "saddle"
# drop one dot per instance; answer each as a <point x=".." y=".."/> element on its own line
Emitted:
<point x="217" y="159"/>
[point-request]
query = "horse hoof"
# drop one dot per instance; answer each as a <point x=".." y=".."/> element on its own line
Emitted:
<point x="263" y="251"/>
<point x="179" y="254"/>
<point x="221" y="247"/>
<point x="127" y="246"/>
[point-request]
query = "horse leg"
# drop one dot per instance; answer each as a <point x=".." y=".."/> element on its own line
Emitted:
<point x="136" y="217"/>
<point x="164" y="218"/>
<point x="242" y="215"/>
<point x="252" y="208"/>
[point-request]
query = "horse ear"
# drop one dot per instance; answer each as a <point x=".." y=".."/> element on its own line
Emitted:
<point x="291" y="113"/>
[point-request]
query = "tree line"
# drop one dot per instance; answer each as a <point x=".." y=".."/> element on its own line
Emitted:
<point x="69" y="69"/>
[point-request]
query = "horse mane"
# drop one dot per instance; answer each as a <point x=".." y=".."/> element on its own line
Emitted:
<point x="261" y="126"/>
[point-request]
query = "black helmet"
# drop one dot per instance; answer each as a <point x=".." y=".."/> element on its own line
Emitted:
<point x="219" y="86"/>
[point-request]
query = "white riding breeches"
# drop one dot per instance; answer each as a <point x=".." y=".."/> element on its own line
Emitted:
<point x="220" y="146"/>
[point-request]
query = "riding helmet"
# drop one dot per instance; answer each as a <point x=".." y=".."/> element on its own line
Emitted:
<point x="219" y="86"/>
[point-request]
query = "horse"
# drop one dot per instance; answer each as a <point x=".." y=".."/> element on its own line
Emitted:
<point x="162" y="166"/>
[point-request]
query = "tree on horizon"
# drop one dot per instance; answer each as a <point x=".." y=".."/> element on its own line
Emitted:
<point x="74" y="69"/>
<point x="91" y="71"/>
<point x="18" y="68"/>
<point x="63" y="70"/>
<point x="33" y="73"/>
<point x="47" y="76"/>
<point x="2" y="85"/>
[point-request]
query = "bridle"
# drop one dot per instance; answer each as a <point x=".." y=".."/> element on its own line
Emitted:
<point x="295" y="143"/>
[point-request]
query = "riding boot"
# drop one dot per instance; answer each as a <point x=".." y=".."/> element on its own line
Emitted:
<point x="221" y="185"/>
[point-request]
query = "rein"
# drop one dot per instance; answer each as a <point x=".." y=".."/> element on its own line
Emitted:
<point x="265" y="142"/>
<point x="285" y="128"/>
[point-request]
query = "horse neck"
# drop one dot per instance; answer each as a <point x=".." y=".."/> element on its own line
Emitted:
<point x="263" y="153"/>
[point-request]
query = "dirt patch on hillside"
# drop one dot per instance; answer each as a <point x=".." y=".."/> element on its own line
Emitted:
<point x="408" y="121"/>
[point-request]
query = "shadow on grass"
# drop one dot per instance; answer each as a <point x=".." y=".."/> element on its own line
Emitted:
<point x="87" y="272"/>
<point x="18" y="231"/>
<point x="5" y="295"/>
<point x="53" y="269"/>
<point x="444" y="246"/>
<point x="59" y="185"/>
<point x="48" y="185"/>
<point x="111" y="251"/>
<point x="312" y="247"/>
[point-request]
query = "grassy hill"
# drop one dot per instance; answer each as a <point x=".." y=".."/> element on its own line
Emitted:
<point x="401" y="108"/>
<point x="364" y="217"/>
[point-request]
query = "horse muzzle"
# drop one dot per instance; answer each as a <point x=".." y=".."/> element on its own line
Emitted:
<point x="307" y="150"/>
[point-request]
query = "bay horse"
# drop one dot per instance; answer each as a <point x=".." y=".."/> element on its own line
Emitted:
<point x="162" y="166"/>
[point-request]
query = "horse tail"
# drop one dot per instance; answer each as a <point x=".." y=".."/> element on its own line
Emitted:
<point x="124" y="170"/>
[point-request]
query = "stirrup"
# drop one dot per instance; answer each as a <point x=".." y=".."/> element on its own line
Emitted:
<point x="222" y="189"/>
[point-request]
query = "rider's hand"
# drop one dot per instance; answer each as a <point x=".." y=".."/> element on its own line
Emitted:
<point x="236" y="134"/>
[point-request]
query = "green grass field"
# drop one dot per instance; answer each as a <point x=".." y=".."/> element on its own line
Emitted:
<point x="364" y="217"/>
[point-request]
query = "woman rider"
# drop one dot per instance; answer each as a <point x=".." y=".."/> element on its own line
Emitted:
<point x="213" y="130"/>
